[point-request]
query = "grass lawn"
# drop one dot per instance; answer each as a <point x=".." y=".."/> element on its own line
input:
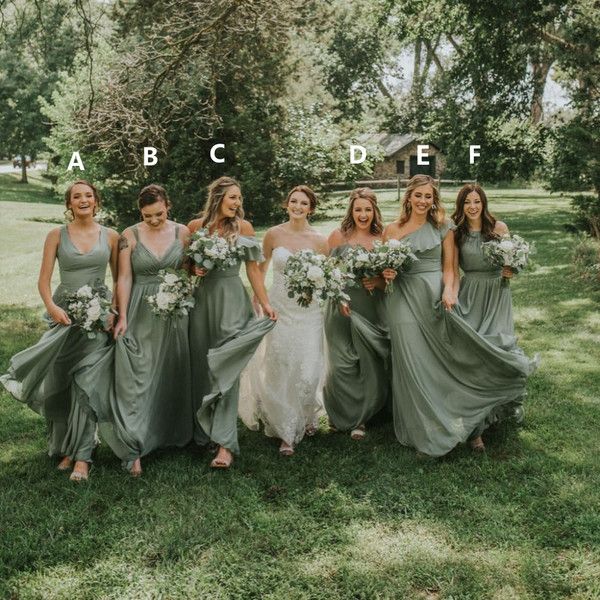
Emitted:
<point x="340" y="519"/>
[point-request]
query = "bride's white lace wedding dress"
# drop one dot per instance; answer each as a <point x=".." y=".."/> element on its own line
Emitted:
<point x="282" y="385"/>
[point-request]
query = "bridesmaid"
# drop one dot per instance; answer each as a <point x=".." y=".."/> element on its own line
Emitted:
<point x="140" y="390"/>
<point x="446" y="377"/>
<point x="40" y="376"/>
<point x="283" y="384"/>
<point x="357" y="380"/>
<point x="483" y="302"/>
<point x="223" y="331"/>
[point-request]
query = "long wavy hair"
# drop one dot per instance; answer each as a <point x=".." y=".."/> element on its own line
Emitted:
<point x="210" y="215"/>
<point x="488" y="221"/>
<point x="436" y="214"/>
<point x="69" y="212"/>
<point x="348" y="225"/>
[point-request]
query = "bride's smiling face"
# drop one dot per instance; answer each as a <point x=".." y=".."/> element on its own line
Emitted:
<point x="298" y="206"/>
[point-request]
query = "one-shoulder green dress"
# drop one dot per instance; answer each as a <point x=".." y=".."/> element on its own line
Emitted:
<point x="41" y="376"/>
<point x="224" y="334"/>
<point x="486" y="305"/>
<point x="139" y="389"/>
<point x="446" y="377"/>
<point x="357" y="383"/>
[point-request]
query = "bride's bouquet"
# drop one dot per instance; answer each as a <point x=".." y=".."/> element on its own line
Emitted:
<point x="508" y="251"/>
<point x="88" y="308"/>
<point x="310" y="276"/>
<point x="212" y="251"/>
<point x="392" y="254"/>
<point x="175" y="294"/>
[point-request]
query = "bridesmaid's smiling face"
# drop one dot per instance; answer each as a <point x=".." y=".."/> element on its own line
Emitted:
<point x="421" y="200"/>
<point x="473" y="207"/>
<point x="155" y="214"/>
<point x="82" y="201"/>
<point x="362" y="214"/>
<point x="298" y="206"/>
<point x="232" y="201"/>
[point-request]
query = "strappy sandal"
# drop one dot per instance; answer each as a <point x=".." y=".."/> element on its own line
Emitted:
<point x="358" y="433"/>
<point x="477" y="445"/>
<point x="220" y="463"/>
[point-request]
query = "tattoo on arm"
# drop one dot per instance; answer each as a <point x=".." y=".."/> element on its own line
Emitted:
<point x="123" y="242"/>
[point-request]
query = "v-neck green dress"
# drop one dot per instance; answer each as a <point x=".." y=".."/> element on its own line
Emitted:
<point x="41" y="376"/>
<point x="140" y="389"/>
<point x="357" y="384"/>
<point x="224" y="334"/>
<point x="446" y="377"/>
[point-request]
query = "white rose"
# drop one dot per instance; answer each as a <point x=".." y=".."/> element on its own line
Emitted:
<point x="314" y="273"/>
<point x="94" y="311"/>
<point x="506" y="245"/>
<point x="164" y="299"/>
<point x="85" y="292"/>
<point x="170" y="278"/>
<point x="362" y="257"/>
<point x="394" y="243"/>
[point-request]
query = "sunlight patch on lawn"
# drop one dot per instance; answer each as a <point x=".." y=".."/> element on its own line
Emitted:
<point x="530" y="314"/>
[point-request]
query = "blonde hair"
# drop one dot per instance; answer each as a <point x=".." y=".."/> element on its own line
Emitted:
<point x="348" y="225"/>
<point x="210" y="215"/>
<point x="436" y="214"/>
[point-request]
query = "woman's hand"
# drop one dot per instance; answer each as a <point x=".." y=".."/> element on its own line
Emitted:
<point x="58" y="315"/>
<point x="389" y="275"/>
<point x="110" y="322"/>
<point x="448" y="298"/>
<point x="121" y="327"/>
<point x="345" y="309"/>
<point x="258" y="309"/>
<point x="200" y="271"/>
<point x="369" y="283"/>
<point x="269" y="312"/>
<point x="507" y="272"/>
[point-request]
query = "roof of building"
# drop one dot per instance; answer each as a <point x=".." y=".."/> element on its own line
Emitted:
<point x="391" y="142"/>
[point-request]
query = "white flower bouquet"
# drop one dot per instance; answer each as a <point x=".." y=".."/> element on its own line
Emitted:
<point x="310" y="276"/>
<point x="212" y="251"/>
<point x="89" y="307"/>
<point x="175" y="294"/>
<point x="508" y="251"/>
<point x="359" y="262"/>
<point x="392" y="254"/>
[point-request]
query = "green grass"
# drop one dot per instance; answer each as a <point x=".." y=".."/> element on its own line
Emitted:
<point x="339" y="519"/>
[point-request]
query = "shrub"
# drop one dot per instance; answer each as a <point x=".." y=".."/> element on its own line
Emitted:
<point x="586" y="258"/>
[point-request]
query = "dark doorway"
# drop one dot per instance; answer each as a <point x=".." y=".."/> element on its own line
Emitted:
<point x="416" y="169"/>
<point x="400" y="167"/>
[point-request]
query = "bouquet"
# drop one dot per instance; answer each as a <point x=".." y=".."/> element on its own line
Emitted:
<point x="89" y="307"/>
<point x="311" y="276"/>
<point x="508" y="251"/>
<point x="359" y="262"/>
<point x="212" y="251"/>
<point x="392" y="254"/>
<point x="174" y="297"/>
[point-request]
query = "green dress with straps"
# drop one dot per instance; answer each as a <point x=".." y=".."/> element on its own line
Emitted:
<point x="357" y="383"/>
<point x="446" y="378"/>
<point x="41" y="376"/>
<point x="139" y="389"/>
<point x="224" y="334"/>
<point x="486" y="305"/>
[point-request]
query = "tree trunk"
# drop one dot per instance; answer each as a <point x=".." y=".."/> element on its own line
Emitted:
<point x="416" y="69"/>
<point x="23" y="168"/>
<point x="541" y="69"/>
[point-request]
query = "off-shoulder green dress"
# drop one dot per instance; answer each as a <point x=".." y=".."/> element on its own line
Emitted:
<point x="224" y="334"/>
<point x="486" y="305"/>
<point x="447" y="378"/>
<point x="357" y="384"/>
<point x="139" y="389"/>
<point x="41" y="376"/>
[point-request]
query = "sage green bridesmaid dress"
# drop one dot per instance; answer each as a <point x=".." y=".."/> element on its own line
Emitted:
<point x="447" y="378"/>
<point x="41" y="376"/>
<point x="224" y="334"/>
<point x="486" y="305"/>
<point x="357" y="383"/>
<point x="140" y="388"/>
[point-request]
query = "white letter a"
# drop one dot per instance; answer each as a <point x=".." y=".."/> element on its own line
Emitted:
<point x="75" y="162"/>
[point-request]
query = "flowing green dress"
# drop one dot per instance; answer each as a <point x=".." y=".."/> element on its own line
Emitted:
<point x="224" y="334"/>
<point x="139" y="389"/>
<point x="357" y="383"/>
<point x="41" y="376"/>
<point x="486" y="305"/>
<point x="446" y="377"/>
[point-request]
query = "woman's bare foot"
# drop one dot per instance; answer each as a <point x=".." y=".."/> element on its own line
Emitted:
<point x="477" y="444"/>
<point x="136" y="468"/>
<point x="358" y="433"/>
<point x="65" y="464"/>
<point x="223" y="459"/>
<point x="285" y="449"/>
<point x="80" y="471"/>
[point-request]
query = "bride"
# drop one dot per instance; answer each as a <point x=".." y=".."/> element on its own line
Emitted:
<point x="282" y="384"/>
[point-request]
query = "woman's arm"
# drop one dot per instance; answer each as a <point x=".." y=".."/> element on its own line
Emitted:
<point x="125" y="280"/>
<point x="56" y="313"/>
<point x="113" y="240"/>
<point x="448" y="251"/>
<point x="501" y="229"/>
<point x="456" y="272"/>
